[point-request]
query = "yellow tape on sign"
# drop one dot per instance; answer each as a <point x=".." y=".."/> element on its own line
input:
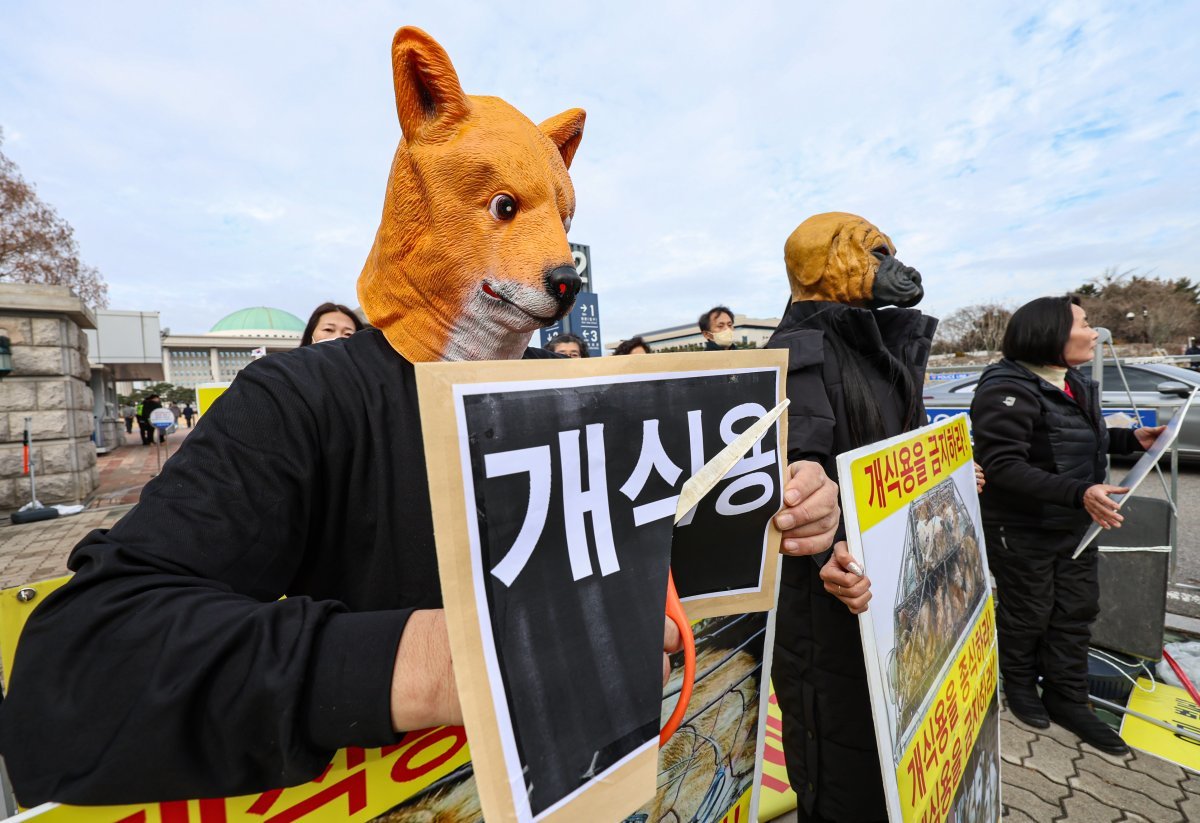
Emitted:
<point x="16" y="604"/>
<point x="359" y="785"/>
<point x="775" y="796"/>
<point x="1173" y="706"/>
<point x="886" y="481"/>
<point x="931" y="769"/>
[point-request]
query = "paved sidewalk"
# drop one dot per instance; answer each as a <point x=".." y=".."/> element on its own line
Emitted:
<point x="124" y="471"/>
<point x="36" y="551"/>
<point x="1050" y="776"/>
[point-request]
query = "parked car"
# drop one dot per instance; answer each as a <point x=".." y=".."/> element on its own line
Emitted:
<point x="1155" y="390"/>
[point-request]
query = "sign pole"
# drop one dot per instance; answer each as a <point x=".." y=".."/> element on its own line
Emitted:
<point x="161" y="419"/>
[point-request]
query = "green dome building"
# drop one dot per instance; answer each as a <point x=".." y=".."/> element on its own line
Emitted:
<point x="234" y="341"/>
<point x="259" y="321"/>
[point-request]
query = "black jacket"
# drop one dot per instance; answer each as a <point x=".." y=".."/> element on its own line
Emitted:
<point x="168" y="667"/>
<point x="1039" y="448"/>
<point x="818" y="670"/>
<point x="148" y="407"/>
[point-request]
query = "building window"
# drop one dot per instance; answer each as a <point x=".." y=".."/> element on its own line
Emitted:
<point x="190" y="366"/>
<point x="232" y="361"/>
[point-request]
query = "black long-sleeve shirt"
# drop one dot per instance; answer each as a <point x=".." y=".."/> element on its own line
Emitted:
<point x="169" y="667"/>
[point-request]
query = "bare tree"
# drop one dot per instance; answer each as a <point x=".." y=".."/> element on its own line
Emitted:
<point x="38" y="246"/>
<point x="972" y="328"/>
<point x="1138" y="308"/>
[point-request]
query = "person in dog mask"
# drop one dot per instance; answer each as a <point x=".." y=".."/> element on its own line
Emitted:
<point x="855" y="373"/>
<point x="170" y="669"/>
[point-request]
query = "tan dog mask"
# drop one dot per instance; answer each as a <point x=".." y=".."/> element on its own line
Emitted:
<point x="841" y="258"/>
<point x="471" y="256"/>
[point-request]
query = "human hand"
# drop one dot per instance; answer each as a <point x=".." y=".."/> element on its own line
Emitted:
<point x="980" y="480"/>
<point x="423" y="690"/>
<point x="1146" y="436"/>
<point x="1101" y="507"/>
<point x="845" y="580"/>
<point x="672" y="642"/>
<point x="810" y="513"/>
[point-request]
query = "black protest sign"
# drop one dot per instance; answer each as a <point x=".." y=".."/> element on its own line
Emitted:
<point x="555" y="489"/>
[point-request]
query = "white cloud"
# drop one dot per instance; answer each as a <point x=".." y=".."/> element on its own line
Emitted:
<point x="243" y="151"/>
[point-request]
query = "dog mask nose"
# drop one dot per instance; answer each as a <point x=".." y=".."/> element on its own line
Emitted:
<point x="564" y="283"/>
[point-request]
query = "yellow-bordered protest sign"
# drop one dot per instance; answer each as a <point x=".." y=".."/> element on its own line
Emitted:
<point x="888" y="479"/>
<point x="207" y="394"/>
<point x="929" y="636"/>
<point x="1173" y="706"/>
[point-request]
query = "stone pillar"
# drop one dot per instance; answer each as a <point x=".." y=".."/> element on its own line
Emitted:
<point x="49" y="384"/>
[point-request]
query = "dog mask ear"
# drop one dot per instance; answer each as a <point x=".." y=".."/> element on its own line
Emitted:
<point x="429" y="98"/>
<point x="565" y="131"/>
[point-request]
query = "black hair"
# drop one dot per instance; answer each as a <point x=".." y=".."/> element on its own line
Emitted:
<point x="569" y="338"/>
<point x="1037" y="332"/>
<point x="627" y="346"/>
<point x="705" y="321"/>
<point x="325" y="308"/>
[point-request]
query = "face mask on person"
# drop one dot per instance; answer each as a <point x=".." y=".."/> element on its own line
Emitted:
<point x="723" y="338"/>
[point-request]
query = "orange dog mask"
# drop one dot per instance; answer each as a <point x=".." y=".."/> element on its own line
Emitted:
<point x="471" y="256"/>
<point x="841" y="258"/>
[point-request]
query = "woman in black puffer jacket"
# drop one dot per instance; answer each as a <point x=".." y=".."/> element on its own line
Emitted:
<point x="1041" y="439"/>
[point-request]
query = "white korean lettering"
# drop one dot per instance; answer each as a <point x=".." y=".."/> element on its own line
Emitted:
<point x="577" y="503"/>
<point x="653" y="457"/>
<point x="536" y="463"/>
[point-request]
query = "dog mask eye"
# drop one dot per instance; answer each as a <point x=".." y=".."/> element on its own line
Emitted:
<point x="503" y="207"/>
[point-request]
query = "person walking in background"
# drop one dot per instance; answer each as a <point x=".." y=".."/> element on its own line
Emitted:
<point x="716" y="326"/>
<point x="127" y="412"/>
<point x="188" y="414"/>
<point x="634" y="345"/>
<point x="1041" y="439"/>
<point x="149" y="406"/>
<point x="175" y="411"/>
<point x="568" y="345"/>
<point x="330" y="321"/>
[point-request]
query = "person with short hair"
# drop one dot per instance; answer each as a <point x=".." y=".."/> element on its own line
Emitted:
<point x="634" y="345"/>
<point x="1193" y="348"/>
<point x="149" y="405"/>
<point x="716" y="325"/>
<point x="330" y="321"/>
<point x="1041" y="439"/>
<point x="568" y="345"/>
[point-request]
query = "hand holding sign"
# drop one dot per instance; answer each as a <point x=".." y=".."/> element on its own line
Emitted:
<point x="841" y="580"/>
<point x="1102" y="508"/>
<point x="810" y="514"/>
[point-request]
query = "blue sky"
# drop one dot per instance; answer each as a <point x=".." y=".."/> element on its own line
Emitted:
<point x="218" y="155"/>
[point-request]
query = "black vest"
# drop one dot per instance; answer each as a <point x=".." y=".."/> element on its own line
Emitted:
<point x="1069" y="439"/>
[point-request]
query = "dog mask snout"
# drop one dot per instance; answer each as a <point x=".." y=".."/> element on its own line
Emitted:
<point x="564" y="283"/>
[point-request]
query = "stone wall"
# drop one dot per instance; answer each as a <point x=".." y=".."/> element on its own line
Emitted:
<point x="49" y="384"/>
